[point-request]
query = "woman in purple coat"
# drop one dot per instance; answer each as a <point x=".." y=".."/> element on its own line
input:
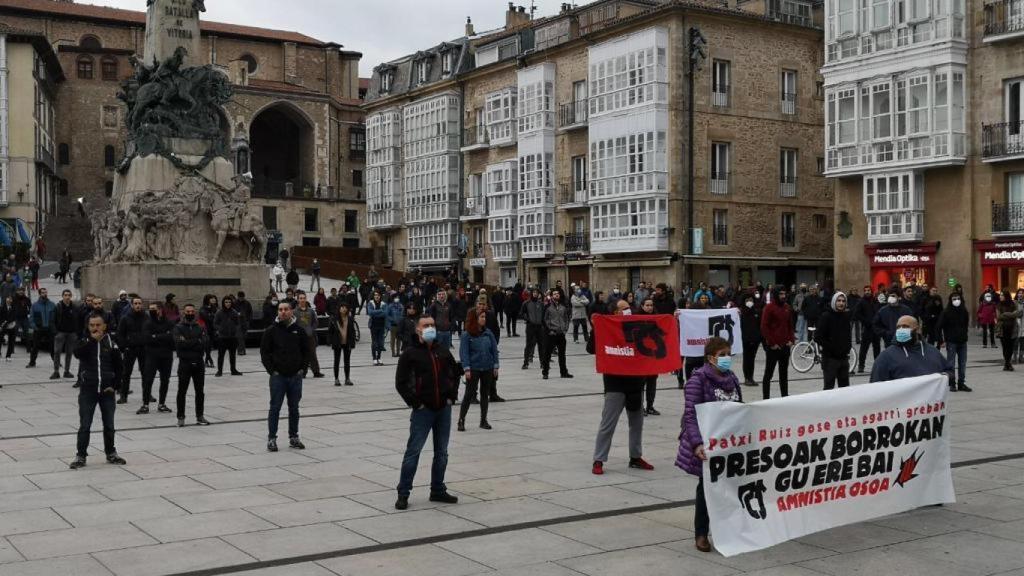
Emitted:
<point x="712" y="382"/>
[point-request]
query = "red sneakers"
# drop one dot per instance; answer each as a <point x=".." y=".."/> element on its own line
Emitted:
<point x="640" y="463"/>
<point x="598" y="467"/>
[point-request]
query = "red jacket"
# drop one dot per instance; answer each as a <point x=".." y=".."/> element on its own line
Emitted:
<point x="777" y="325"/>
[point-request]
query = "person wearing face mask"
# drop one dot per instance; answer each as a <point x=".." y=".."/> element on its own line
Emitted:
<point x="427" y="379"/>
<point x="159" y="356"/>
<point x="885" y="320"/>
<point x="226" y="323"/>
<point x="556" y="324"/>
<point x="270" y="307"/>
<point x="1019" y="353"/>
<point x="864" y="315"/>
<point x="987" y="318"/>
<point x="833" y="338"/>
<point x="378" y="326"/>
<point x="532" y="312"/>
<point x="909" y="355"/>
<point x="1008" y="315"/>
<point x="131" y="337"/>
<point x="954" y="326"/>
<point x="393" y="313"/>
<point x="190" y="342"/>
<point x="713" y="382"/>
<point x="580" y="303"/>
<point x="750" y="324"/>
<point x="621" y="392"/>
<point x="650" y="382"/>
<point x="932" y="306"/>
<point x="777" y="332"/>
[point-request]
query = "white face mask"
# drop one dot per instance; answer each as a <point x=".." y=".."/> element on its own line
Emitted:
<point x="956" y="302"/>
<point x="750" y="304"/>
<point x="892" y="299"/>
<point x="988" y="297"/>
<point x="627" y="312"/>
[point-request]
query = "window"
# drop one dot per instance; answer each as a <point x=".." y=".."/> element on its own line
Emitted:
<point x="387" y="78"/>
<point x="357" y="141"/>
<point x="350" y="242"/>
<point x="820" y="222"/>
<point x="63" y="154"/>
<point x="820" y="164"/>
<point x="1013" y="95"/>
<point x="917" y="105"/>
<point x="894" y="207"/>
<point x="880" y="14"/>
<point x="357" y="178"/>
<point x="788" y="228"/>
<point x="846" y="16"/>
<point x="108" y="68"/>
<point x="788" y="95"/>
<point x="109" y="156"/>
<point x="720" y="152"/>
<point x="90" y="42"/>
<point x="422" y="71"/>
<point x="720" y="83"/>
<point x="919" y="9"/>
<point x="842" y="117"/>
<point x="499" y="109"/>
<point x="579" y="178"/>
<point x="448" y="62"/>
<point x="881" y="111"/>
<point x="351" y="221"/>
<point x="270" y="217"/>
<point x="312" y="220"/>
<point x="787" y="172"/>
<point x="85" y="65"/>
<point x="629" y="79"/>
<point x="111" y="116"/>
<point x="535" y="106"/>
<point x="251" y="64"/>
<point x="628" y="164"/>
<point x="720" y="228"/>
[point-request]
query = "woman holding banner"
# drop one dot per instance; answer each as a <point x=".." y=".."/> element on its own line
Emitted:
<point x="713" y="382"/>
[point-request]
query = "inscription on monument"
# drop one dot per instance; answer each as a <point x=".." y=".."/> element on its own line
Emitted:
<point x="173" y="24"/>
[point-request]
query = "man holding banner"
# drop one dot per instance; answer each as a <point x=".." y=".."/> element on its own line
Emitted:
<point x="628" y="350"/>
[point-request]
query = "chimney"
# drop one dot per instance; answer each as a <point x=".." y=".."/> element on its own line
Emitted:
<point x="469" y="27"/>
<point x="516" y="16"/>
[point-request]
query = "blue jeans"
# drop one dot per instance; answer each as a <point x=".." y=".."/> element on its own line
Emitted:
<point x="444" y="340"/>
<point x="421" y="423"/>
<point x="280" y="387"/>
<point x="88" y="399"/>
<point x="801" y="328"/>
<point x="960" y="351"/>
<point x="377" y="337"/>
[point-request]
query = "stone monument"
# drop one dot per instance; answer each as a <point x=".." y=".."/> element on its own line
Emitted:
<point x="179" y="220"/>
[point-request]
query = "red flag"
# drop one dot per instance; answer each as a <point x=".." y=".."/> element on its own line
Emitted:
<point x="636" y="345"/>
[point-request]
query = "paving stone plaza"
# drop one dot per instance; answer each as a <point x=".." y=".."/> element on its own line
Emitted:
<point x="212" y="500"/>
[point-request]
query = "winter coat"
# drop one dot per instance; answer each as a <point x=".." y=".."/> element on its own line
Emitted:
<point x="131" y="330"/>
<point x="306" y="319"/>
<point x="513" y="303"/>
<point x="777" y="324"/>
<point x="443" y="315"/>
<point x="407" y="330"/>
<point x="533" y="312"/>
<point x="987" y="313"/>
<point x="377" y="314"/>
<point x="334" y="333"/>
<point x="706" y="384"/>
<point x="812" y="308"/>
<point x="190" y="341"/>
<point x="320" y="303"/>
<point x="478" y="353"/>
<point x="100" y="364"/>
<point x="833" y="333"/>
<point x="207" y="316"/>
<point x="914" y="358"/>
<point x="226" y="323"/>
<point x="292" y="278"/>
<point x="1006" y="321"/>
<point x="393" y="315"/>
<point x="159" y="338"/>
<point x="284" y="349"/>
<point x="42" y="314"/>
<point x="886" y="319"/>
<point x="954" y="323"/>
<point x="427" y="376"/>
<point x="579" y="307"/>
<point x="556" y="319"/>
<point x="750" y="325"/>
<point x="864" y="312"/>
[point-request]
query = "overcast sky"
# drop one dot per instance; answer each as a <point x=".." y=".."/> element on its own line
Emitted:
<point x="381" y="29"/>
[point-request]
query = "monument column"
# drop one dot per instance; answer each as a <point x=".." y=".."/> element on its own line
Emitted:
<point x="171" y="24"/>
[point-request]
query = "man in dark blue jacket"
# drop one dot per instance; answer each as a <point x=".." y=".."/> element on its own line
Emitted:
<point x="43" y="312"/>
<point x="887" y="317"/>
<point x="100" y="363"/>
<point x="909" y="355"/>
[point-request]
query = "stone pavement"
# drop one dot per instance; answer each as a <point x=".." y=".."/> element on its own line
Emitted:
<point x="211" y="500"/>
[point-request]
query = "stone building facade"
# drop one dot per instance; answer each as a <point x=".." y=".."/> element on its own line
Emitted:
<point x="574" y="146"/>
<point x="295" y="121"/>
<point x="29" y="77"/>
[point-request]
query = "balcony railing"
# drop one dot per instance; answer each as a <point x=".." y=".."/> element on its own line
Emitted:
<point x="577" y="241"/>
<point x="719" y="183"/>
<point x="475" y="136"/>
<point x="788" y="103"/>
<point x="787" y="186"/>
<point x="720" y="235"/>
<point x="474" y="206"/>
<point x="45" y="157"/>
<point x="1003" y="139"/>
<point x="572" y="114"/>
<point x="1004" y="17"/>
<point x="477" y="250"/>
<point x="570" y="193"/>
<point x="1008" y="218"/>
<point x="270" y="188"/>
<point x="795" y="19"/>
<point x="720" y="95"/>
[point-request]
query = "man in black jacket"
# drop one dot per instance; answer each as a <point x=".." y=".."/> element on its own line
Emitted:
<point x="244" y="308"/>
<point x="131" y="337"/>
<point x="864" y="315"/>
<point x="190" y="340"/>
<point x="954" y="326"/>
<point x="427" y="378"/>
<point x="285" y="354"/>
<point x="833" y="336"/>
<point x="66" y="325"/>
<point x="532" y="311"/>
<point x="159" y="356"/>
<point x="100" y="363"/>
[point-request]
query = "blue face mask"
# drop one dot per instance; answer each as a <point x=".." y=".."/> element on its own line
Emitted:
<point x="903" y="335"/>
<point x="429" y="334"/>
<point x="724" y="363"/>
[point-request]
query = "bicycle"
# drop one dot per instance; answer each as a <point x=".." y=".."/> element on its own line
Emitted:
<point x="806" y="355"/>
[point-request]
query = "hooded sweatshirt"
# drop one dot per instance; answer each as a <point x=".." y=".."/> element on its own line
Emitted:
<point x="909" y="359"/>
<point x="833" y="333"/>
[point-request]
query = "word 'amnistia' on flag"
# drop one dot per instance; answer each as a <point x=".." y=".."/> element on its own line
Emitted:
<point x="788" y="467"/>
<point x="636" y="345"/>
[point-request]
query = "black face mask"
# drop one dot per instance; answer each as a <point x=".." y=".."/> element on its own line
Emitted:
<point x="154" y="314"/>
<point x="190" y="317"/>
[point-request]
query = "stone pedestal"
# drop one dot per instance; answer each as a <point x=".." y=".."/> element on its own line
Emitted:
<point x="189" y="282"/>
<point x="171" y="24"/>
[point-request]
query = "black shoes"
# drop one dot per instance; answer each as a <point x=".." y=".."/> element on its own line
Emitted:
<point x="485" y="425"/>
<point x="566" y="375"/>
<point x="964" y="388"/>
<point x="143" y="410"/>
<point x="68" y="374"/>
<point x="297" y="444"/>
<point x="544" y="376"/>
<point x="526" y="365"/>
<point x="163" y="408"/>
<point x="402" y="503"/>
<point x="122" y="399"/>
<point x="77" y="463"/>
<point x="219" y="374"/>
<point x="236" y="373"/>
<point x="181" y="422"/>
<point x="55" y="375"/>
<point x="349" y="382"/>
<point x="444" y="498"/>
<point x="113" y="458"/>
<point x="496" y="398"/>
<point x="202" y="421"/>
<point x="337" y="382"/>
<point x="272" y="445"/>
<point x="652" y="412"/>
<point x="461" y="427"/>
<point x="318" y="375"/>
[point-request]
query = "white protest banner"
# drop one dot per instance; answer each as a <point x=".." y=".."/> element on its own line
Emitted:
<point x="697" y="326"/>
<point x="788" y="467"/>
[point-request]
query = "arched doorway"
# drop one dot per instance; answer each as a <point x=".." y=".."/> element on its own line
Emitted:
<point x="283" y="153"/>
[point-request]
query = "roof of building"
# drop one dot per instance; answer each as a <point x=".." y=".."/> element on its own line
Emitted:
<point x="42" y="46"/>
<point x="73" y="10"/>
<point x="404" y="79"/>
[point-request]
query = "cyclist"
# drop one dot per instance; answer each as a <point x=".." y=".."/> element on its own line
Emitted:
<point x="833" y="337"/>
